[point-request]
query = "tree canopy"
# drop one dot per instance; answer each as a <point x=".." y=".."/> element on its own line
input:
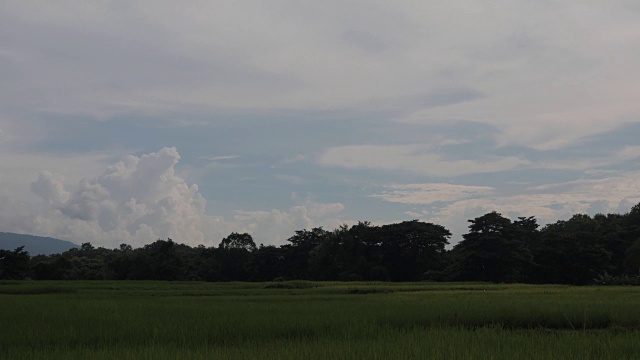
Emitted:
<point x="580" y="250"/>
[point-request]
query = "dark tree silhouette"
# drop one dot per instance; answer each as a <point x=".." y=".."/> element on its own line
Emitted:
<point x="238" y="241"/>
<point x="492" y="250"/>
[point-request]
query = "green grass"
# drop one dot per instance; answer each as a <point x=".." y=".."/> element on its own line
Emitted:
<point x="328" y="320"/>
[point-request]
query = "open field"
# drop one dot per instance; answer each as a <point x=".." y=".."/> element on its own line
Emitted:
<point x="169" y="320"/>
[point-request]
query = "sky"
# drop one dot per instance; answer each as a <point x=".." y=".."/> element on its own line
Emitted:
<point x="132" y="121"/>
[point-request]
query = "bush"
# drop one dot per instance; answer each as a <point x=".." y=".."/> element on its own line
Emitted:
<point x="606" y="279"/>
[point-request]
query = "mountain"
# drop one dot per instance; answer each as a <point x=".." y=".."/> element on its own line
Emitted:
<point x="35" y="245"/>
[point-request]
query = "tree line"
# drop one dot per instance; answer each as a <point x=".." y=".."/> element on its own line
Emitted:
<point x="581" y="250"/>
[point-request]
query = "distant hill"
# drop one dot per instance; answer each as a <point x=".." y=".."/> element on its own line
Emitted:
<point x="35" y="245"/>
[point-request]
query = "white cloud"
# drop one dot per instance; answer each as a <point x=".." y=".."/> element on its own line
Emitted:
<point x="429" y="160"/>
<point x="275" y="226"/>
<point x="628" y="153"/>
<point x="19" y="168"/>
<point x="50" y="187"/>
<point x="141" y="199"/>
<point x="550" y="72"/>
<point x="136" y="200"/>
<point x="218" y="158"/>
<point x="548" y="203"/>
<point x="421" y="159"/>
<point x="431" y="193"/>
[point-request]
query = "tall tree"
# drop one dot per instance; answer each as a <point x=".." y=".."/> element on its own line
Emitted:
<point x="492" y="250"/>
<point x="238" y="241"/>
<point x="14" y="265"/>
<point x="235" y="254"/>
<point x="343" y="254"/>
<point x="412" y="248"/>
<point x="296" y="253"/>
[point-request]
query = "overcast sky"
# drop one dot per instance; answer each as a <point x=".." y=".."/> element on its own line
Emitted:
<point x="129" y="121"/>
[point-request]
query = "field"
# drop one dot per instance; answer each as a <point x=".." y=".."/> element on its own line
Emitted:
<point x="310" y="320"/>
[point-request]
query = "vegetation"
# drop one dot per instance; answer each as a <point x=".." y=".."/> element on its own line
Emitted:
<point x="603" y="249"/>
<point x="316" y="320"/>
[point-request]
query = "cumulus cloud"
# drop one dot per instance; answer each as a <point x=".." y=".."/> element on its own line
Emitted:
<point x="141" y="199"/>
<point x="51" y="188"/>
<point x="135" y="198"/>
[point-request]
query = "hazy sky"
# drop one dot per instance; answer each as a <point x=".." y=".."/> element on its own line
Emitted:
<point x="129" y="121"/>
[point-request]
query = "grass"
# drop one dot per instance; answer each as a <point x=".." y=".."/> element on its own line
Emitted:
<point x="164" y="320"/>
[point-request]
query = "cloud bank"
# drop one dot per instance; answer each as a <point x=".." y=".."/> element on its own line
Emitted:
<point x="141" y="199"/>
<point x="548" y="203"/>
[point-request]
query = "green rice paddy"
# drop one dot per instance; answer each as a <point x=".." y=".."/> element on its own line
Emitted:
<point x="316" y="320"/>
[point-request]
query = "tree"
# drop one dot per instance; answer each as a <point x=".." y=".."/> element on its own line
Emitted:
<point x="267" y="263"/>
<point x="208" y="264"/>
<point x="238" y="241"/>
<point x="160" y="260"/>
<point x="235" y="254"/>
<point x="296" y="253"/>
<point x="612" y="236"/>
<point x="632" y="259"/>
<point x="14" y="265"/>
<point x="125" y="247"/>
<point x="492" y="250"/>
<point x="343" y="254"/>
<point x="570" y="252"/>
<point x="57" y="268"/>
<point x="412" y="248"/>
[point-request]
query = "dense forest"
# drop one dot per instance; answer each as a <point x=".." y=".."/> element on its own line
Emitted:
<point x="601" y="249"/>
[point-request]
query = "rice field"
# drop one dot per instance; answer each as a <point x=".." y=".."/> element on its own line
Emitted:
<point x="316" y="320"/>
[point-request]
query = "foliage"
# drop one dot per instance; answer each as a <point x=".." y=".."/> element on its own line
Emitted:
<point x="620" y="280"/>
<point x="237" y="241"/>
<point x="570" y="252"/>
<point x="495" y="249"/>
<point x="14" y="265"/>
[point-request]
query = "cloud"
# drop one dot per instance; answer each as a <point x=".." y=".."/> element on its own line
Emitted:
<point x="51" y="188"/>
<point x="218" y="158"/>
<point x="137" y="199"/>
<point x="425" y="194"/>
<point x="451" y="150"/>
<point x="414" y="158"/>
<point x="20" y="168"/>
<point x="141" y="199"/>
<point x="588" y="163"/>
<point x="275" y="226"/>
<point x="542" y="68"/>
<point x="629" y="153"/>
<point x="548" y="203"/>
